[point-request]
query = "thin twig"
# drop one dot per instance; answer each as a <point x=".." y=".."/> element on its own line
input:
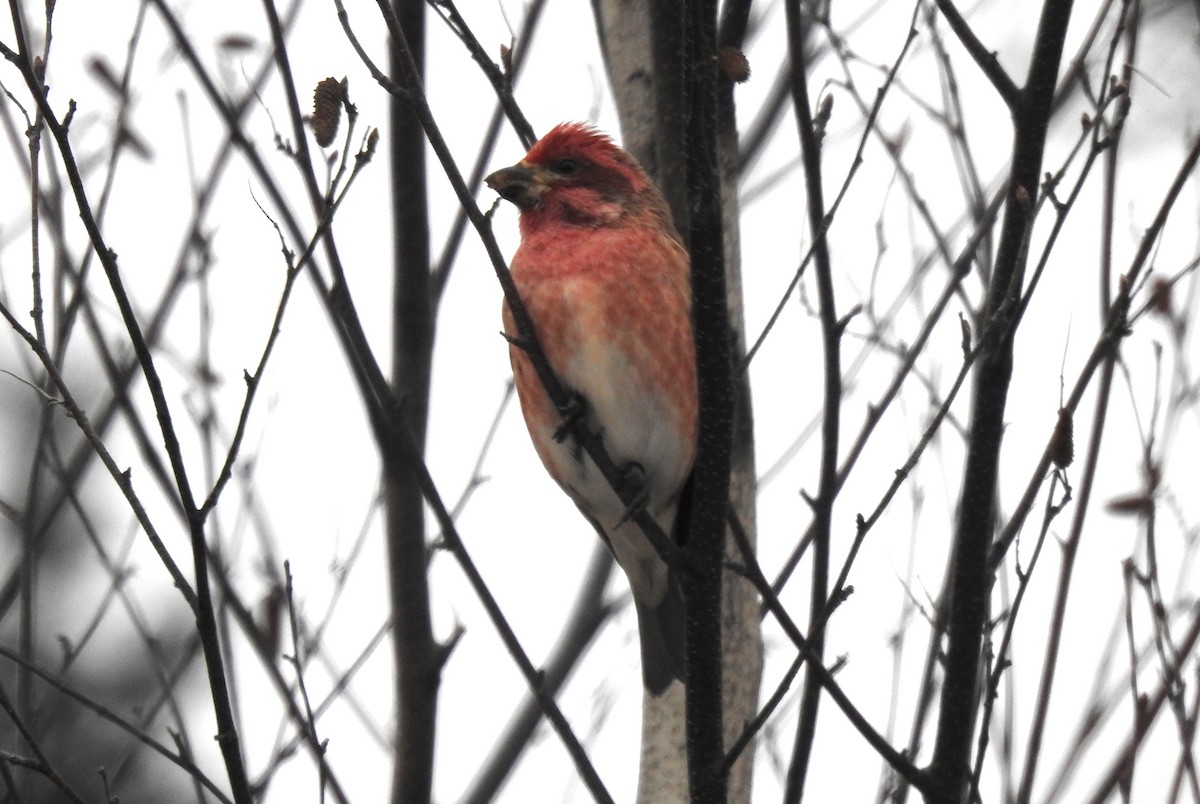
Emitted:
<point x="986" y="59"/>
<point x="831" y="336"/>
<point x="532" y="676"/>
<point x="119" y="722"/>
<point x="42" y="764"/>
<point x="900" y="763"/>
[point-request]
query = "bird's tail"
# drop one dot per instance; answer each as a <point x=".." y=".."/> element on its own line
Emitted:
<point x="662" y="631"/>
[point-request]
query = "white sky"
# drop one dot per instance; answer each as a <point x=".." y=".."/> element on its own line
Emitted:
<point x="315" y="470"/>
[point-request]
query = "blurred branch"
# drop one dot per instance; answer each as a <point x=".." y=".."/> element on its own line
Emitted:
<point x="336" y="299"/>
<point x="267" y="659"/>
<point x="120" y="373"/>
<point x="751" y="569"/>
<point x="1114" y="330"/>
<point x="418" y="656"/>
<point x="863" y="525"/>
<point x="40" y="763"/>
<point x="337" y="693"/>
<point x="533" y="677"/>
<point x="1070" y="546"/>
<point x="1148" y="709"/>
<point x="121" y="477"/>
<point x="1002" y="661"/>
<point x="956" y="130"/>
<point x="297" y="661"/>
<point x="876" y="410"/>
<point x="140" y="734"/>
<point x="583" y="622"/>
<point x="66" y="308"/>
<point x="205" y="616"/>
<point x="412" y="92"/>
<point x="295" y="264"/>
<point x="230" y="597"/>
<point x="827" y="216"/>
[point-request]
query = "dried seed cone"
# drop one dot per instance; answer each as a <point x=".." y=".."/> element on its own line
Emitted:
<point x="1062" y="442"/>
<point x="327" y="110"/>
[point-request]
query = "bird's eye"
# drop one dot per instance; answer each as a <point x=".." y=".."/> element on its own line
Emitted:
<point x="565" y="167"/>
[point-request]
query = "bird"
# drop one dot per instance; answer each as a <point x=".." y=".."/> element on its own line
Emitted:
<point x="606" y="281"/>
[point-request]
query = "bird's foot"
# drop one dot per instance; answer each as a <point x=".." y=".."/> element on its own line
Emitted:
<point x="633" y="478"/>
<point x="571" y="414"/>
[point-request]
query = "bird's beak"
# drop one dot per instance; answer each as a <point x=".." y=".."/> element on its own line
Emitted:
<point x="520" y="184"/>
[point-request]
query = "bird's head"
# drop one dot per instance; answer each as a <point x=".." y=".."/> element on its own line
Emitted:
<point x="578" y="176"/>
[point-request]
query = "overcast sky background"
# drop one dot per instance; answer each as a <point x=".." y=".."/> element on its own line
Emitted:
<point x="316" y="472"/>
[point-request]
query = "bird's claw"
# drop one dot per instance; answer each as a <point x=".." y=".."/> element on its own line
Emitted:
<point x="633" y="476"/>
<point x="571" y="414"/>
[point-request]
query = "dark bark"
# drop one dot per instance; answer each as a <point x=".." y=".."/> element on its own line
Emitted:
<point x="966" y="600"/>
<point x="831" y="329"/>
<point x="417" y="656"/>
<point x="694" y="36"/>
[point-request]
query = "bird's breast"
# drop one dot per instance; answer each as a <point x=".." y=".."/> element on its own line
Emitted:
<point x="616" y="328"/>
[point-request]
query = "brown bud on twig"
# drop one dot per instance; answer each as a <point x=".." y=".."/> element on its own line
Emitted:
<point x="236" y="42"/>
<point x="102" y="72"/>
<point x="271" y="616"/>
<point x="1160" y="296"/>
<point x="825" y="110"/>
<point x="1062" y="441"/>
<point x="506" y="60"/>
<point x="1023" y="198"/>
<point x="1085" y="120"/>
<point x="733" y="64"/>
<point x="327" y="110"/>
<point x="1131" y="505"/>
<point x="821" y="120"/>
<point x="130" y="139"/>
<point x="368" y="149"/>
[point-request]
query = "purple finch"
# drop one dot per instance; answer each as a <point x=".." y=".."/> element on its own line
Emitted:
<point x="606" y="280"/>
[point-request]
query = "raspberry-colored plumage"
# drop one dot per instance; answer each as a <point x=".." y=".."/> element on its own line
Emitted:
<point x="607" y="285"/>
